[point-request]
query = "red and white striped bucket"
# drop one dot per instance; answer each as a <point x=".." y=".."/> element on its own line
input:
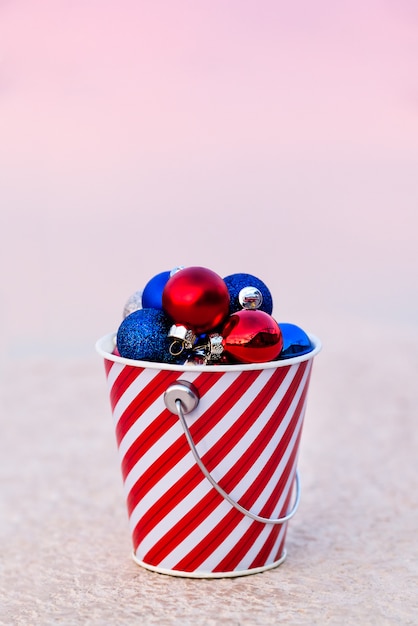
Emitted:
<point x="209" y="494"/>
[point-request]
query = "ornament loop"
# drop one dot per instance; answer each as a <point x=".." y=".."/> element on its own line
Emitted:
<point x="183" y="337"/>
<point x="226" y="496"/>
<point x="176" y="348"/>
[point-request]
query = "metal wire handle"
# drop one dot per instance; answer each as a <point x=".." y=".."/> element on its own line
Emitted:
<point x="226" y="496"/>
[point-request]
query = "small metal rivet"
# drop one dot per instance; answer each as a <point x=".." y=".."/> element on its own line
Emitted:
<point x="185" y="392"/>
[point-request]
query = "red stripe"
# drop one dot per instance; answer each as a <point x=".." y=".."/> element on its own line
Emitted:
<point x="160" y="425"/>
<point x="272" y="464"/>
<point x="280" y="549"/>
<point x="148" y="394"/>
<point x="255" y="450"/>
<point x="241" y="425"/>
<point x="226" y="526"/>
<point x="124" y="379"/>
<point x="108" y="366"/>
<point x="241" y="548"/>
<point x="207" y="504"/>
<point x="231" y="561"/>
<point x="216" y="537"/>
<point x="261" y="559"/>
<point x="174" y="454"/>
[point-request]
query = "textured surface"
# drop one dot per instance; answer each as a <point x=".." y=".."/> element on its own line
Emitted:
<point x="352" y="548"/>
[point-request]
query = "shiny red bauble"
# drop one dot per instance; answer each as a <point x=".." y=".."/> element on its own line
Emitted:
<point x="252" y="337"/>
<point x="197" y="298"/>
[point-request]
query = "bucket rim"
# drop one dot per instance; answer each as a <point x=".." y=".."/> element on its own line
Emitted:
<point x="105" y="345"/>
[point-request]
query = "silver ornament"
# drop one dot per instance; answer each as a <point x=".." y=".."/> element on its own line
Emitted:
<point x="250" y="298"/>
<point x="176" y="269"/>
<point x="134" y="303"/>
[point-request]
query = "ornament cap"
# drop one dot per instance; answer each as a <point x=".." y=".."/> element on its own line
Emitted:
<point x="183" y="337"/>
<point x="215" y="346"/>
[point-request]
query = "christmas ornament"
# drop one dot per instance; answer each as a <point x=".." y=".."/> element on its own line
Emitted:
<point x="153" y="290"/>
<point x="295" y="341"/>
<point x="250" y="298"/>
<point x="133" y="303"/>
<point x="152" y="294"/>
<point x="208" y="350"/>
<point x="197" y="298"/>
<point x="252" y="337"/>
<point x="197" y="357"/>
<point x="182" y="339"/>
<point x="248" y="292"/>
<point x="143" y="336"/>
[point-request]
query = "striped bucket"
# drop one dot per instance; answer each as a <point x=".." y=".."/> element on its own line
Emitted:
<point x="209" y="460"/>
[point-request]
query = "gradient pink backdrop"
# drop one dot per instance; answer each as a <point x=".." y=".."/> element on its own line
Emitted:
<point x="268" y="137"/>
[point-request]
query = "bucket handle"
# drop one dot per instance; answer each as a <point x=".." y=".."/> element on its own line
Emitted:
<point x="181" y="397"/>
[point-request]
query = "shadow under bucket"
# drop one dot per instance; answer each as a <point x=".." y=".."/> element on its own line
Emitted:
<point x="209" y="460"/>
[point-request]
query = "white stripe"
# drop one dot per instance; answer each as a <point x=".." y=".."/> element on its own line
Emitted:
<point x="224" y="425"/>
<point x="219" y="430"/>
<point x="162" y="444"/>
<point x="230" y="542"/>
<point x="114" y="372"/>
<point x="271" y="449"/>
<point x="175" y="516"/>
<point x="158" y="406"/>
<point x="143" y="421"/>
<point x="197" y="494"/>
<point x="159" y="490"/>
<point x="168" y="438"/>
<point x="152" y="455"/>
<point x="145" y="378"/>
<point x="284" y="459"/>
<point x="215" y="392"/>
<point x="265" y="533"/>
<point x="195" y="537"/>
<point x="249" y="436"/>
<point x="238" y="531"/>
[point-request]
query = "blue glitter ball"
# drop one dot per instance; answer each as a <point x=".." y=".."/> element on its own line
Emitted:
<point x="295" y="341"/>
<point x="236" y="282"/>
<point x="143" y="336"/>
<point x="153" y="291"/>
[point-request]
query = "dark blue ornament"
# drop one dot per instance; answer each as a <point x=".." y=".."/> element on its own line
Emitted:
<point x="153" y="291"/>
<point x="143" y="336"/>
<point x="237" y="282"/>
<point x="295" y="341"/>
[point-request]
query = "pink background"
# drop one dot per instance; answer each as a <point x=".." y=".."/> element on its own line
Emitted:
<point x="275" y="138"/>
<point x="262" y="136"/>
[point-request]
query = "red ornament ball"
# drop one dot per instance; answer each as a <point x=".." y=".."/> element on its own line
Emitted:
<point x="197" y="298"/>
<point x="252" y="336"/>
